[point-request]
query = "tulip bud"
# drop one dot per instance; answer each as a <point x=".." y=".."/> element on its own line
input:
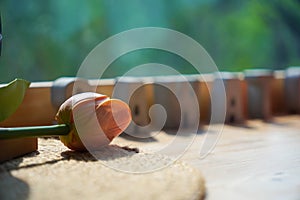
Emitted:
<point x="94" y="120"/>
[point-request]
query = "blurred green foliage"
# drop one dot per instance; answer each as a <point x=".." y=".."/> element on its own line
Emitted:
<point x="44" y="40"/>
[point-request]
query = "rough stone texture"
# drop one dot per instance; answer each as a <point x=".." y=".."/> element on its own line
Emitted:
<point x="54" y="172"/>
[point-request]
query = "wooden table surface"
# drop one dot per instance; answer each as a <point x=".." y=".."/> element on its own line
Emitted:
<point x="257" y="161"/>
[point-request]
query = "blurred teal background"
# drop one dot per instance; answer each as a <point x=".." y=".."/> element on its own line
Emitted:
<point x="44" y="40"/>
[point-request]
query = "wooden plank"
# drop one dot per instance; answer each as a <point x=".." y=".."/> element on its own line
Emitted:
<point x="13" y="148"/>
<point x="103" y="86"/>
<point x="176" y="95"/>
<point x="292" y="89"/>
<point x="259" y="102"/>
<point x="277" y="94"/>
<point x="259" y="161"/>
<point x="245" y="97"/>
<point x="205" y="98"/>
<point x="228" y="100"/>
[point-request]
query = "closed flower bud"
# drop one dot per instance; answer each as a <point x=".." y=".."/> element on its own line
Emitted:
<point x="94" y="120"/>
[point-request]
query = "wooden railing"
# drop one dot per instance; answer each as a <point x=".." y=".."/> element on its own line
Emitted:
<point x="253" y="94"/>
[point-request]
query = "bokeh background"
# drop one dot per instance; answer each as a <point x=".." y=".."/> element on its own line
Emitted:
<point x="44" y="40"/>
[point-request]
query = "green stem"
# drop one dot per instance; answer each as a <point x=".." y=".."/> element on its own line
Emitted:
<point x="34" y="131"/>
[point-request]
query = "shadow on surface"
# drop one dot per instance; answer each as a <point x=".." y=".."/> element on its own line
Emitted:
<point x="14" y="164"/>
<point x="278" y="123"/>
<point x="243" y="125"/>
<point x="184" y="132"/>
<point x="106" y="153"/>
<point x="138" y="139"/>
<point x="12" y="187"/>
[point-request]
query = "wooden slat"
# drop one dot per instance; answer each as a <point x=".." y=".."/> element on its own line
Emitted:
<point x="204" y="98"/>
<point x="259" y="86"/>
<point x="277" y="94"/>
<point x="10" y="149"/>
<point x="103" y="86"/>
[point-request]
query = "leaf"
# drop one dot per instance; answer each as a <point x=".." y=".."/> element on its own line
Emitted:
<point x="11" y="96"/>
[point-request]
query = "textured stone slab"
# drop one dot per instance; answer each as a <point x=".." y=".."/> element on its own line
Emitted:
<point x="56" y="173"/>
